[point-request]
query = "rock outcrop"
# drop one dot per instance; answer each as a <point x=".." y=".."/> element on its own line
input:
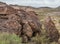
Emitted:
<point x="20" y="22"/>
<point x="51" y="30"/>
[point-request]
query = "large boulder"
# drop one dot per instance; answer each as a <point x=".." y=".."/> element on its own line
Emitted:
<point x="20" y="22"/>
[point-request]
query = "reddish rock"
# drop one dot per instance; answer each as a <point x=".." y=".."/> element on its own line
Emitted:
<point x="20" y="22"/>
<point x="6" y="9"/>
<point x="51" y="30"/>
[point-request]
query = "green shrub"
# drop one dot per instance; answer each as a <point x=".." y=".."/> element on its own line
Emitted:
<point x="6" y="38"/>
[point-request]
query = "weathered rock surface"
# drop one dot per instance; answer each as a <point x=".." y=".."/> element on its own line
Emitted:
<point x="20" y="22"/>
<point x="51" y="30"/>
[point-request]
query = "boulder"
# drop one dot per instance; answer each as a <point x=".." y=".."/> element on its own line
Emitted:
<point x="51" y="30"/>
<point x="20" y="22"/>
